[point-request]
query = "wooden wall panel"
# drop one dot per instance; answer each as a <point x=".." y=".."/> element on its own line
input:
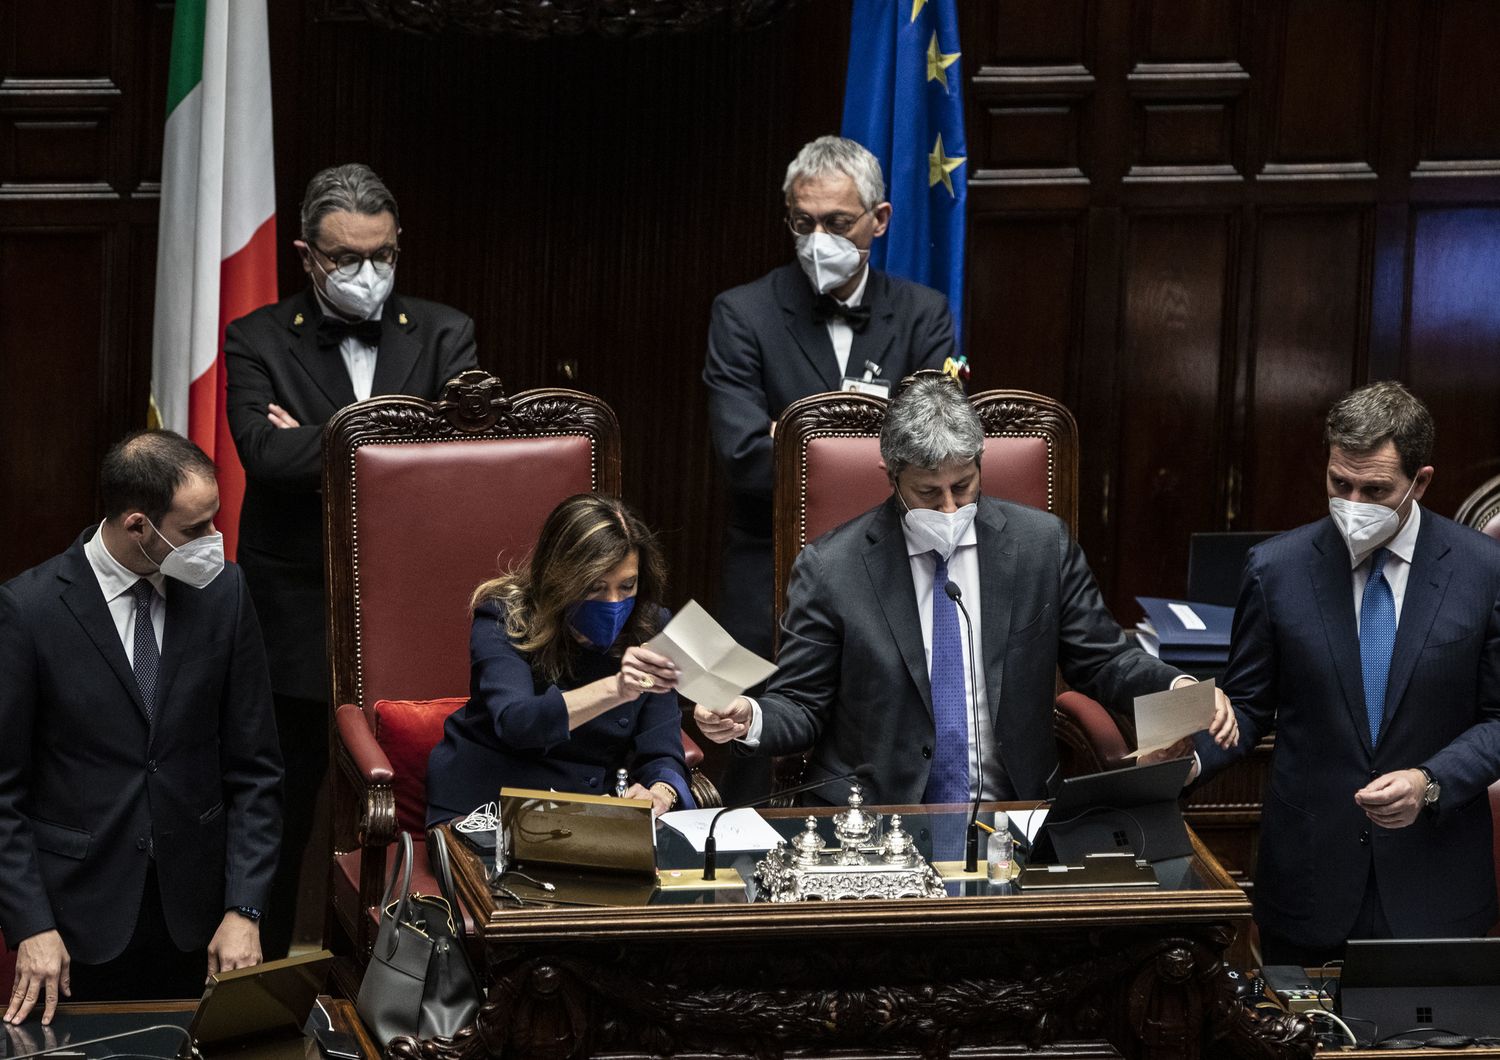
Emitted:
<point x="1454" y="350"/>
<point x="1186" y="31"/>
<point x="1326" y="64"/>
<point x="1459" y="109"/>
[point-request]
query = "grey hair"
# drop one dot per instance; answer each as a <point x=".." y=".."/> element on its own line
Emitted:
<point x="835" y="154"/>
<point x="930" y="422"/>
<point x="1364" y="419"/>
<point x="352" y="187"/>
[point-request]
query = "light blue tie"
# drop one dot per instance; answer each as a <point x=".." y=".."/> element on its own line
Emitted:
<point x="1377" y="640"/>
<point x="949" y="779"/>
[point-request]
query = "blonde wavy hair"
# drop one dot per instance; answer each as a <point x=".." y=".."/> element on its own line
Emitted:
<point x="586" y="536"/>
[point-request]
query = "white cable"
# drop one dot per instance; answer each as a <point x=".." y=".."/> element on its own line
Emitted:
<point x="1334" y="1019"/>
<point x="481" y="820"/>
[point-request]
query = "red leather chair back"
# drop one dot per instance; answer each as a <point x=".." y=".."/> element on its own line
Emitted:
<point x="427" y="500"/>
<point x="828" y="463"/>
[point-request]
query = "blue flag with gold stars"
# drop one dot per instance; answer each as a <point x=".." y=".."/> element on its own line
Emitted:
<point x="902" y="100"/>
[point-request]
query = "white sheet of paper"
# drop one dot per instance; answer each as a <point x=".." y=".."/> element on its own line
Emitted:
<point x="739" y="830"/>
<point x="1163" y="718"/>
<point x="1187" y="616"/>
<point x="714" y="668"/>
<point x="1031" y="821"/>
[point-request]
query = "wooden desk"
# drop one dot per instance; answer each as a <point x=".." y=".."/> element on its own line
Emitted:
<point x="83" y="1021"/>
<point x="1065" y="975"/>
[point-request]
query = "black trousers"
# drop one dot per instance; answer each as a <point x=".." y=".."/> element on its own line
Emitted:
<point x="302" y="729"/>
<point x="1369" y="924"/>
<point x="151" y="968"/>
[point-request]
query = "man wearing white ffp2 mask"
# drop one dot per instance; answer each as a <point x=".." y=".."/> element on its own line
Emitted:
<point x="347" y="336"/>
<point x="825" y="320"/>
<point x="1370" y="641"/>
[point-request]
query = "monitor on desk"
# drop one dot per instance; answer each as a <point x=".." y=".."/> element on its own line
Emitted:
<point x="1418" y="988"/>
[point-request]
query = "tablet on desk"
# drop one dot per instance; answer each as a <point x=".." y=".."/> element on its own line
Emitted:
<point x="259" y="1012"/>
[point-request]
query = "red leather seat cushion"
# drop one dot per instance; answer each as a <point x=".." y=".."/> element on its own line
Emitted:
<point x="408" y="730"/>
<point x="1103" y="734"/>
<point x="842" y="477"/>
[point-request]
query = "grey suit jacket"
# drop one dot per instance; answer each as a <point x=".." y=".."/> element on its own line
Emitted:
<point x="1294" y="666"/>
<point x="853" y="683"/>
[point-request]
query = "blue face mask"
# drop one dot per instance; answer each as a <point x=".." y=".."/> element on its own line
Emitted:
<point x="600" y="621"/>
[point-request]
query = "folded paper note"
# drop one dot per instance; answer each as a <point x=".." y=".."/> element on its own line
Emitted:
<point x="714" y="668"/>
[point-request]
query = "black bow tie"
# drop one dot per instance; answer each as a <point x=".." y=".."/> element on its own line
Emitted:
<point x="333" y="331"/>
<point x="827" y="307"/>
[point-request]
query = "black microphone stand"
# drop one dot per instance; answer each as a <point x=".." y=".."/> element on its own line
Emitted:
<point x="971" y="836"/>
<point x="711" y="846"/>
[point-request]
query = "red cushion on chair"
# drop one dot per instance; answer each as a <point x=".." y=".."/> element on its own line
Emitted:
<point x="408" y="730"/>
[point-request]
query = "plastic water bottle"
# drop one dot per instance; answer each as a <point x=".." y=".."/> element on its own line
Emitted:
<point x="622" y="783"/>
<point x="1000" y="849"/>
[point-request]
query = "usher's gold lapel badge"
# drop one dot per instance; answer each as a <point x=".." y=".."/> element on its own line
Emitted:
<point x="297" y="321"/>
<point x="401" y="319"/>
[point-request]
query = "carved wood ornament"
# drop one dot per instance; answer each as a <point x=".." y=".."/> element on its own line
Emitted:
<point x="535" y="19"/>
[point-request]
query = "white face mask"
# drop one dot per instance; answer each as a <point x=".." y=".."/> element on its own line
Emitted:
<point x="939" y="531"/>
<point x="1365" y="527"/>
<point x="830" y="261"/>
<point x="358" y="297"/>
<point x="197" y="562"/>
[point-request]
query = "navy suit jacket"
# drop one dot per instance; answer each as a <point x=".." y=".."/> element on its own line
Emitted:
<point x="272" y="356"/>
<point x="1294" y="666"/>
<point x="513" y="731"/>
<point x="90" y="790"/>
<point x="853" y="681"/>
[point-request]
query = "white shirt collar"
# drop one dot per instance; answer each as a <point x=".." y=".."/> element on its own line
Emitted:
<point x="114" y="577"/>
<point x="917" y="548"/>
<point x="1404" y="544"/>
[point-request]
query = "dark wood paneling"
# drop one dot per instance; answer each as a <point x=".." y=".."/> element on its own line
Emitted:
<point x="1186" y="31"/>
<point x="1322" y="99"/>
<point x="1460" y="106"/>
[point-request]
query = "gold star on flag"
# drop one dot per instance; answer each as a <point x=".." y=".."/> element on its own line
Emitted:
<point x="938" y="62"/>
<point x="916" y="8"/>
<point x="939" y="166"/>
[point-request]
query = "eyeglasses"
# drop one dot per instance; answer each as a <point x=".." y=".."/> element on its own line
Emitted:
<point x="838" y="224"/>
<point x="349" y="263"/>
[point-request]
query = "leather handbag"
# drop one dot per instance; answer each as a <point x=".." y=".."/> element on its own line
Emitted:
<point x="419" y="981"/>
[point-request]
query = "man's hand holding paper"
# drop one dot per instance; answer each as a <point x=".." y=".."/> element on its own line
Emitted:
<point x="1167" y="721"/>
<point x="714" y="670"/>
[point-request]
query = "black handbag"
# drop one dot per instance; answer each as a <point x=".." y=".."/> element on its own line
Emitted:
<point x="419" y="981"/>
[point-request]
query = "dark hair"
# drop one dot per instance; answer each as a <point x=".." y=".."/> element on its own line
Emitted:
<point x="143" y="471"/>
<point x="586" y="536"/>
<point x="1363" y="420"/>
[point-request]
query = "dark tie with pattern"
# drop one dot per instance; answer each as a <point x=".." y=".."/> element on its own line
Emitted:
<point x="147" y="655"/>
<point x="948" y="780"/>
<point x="1377" y="640"/>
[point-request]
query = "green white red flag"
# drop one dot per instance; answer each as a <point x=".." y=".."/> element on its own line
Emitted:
<point x="216" y="244"/>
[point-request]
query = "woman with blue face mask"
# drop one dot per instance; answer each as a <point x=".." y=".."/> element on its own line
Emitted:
<point x="561" y="692"/>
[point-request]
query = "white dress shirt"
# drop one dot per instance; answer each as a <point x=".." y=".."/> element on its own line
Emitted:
<point x="1397" y="565"/>
<point x="115" y="582"/>
<point x="839" y="331"/>
<point x="359" y="358"/>
<point x="963" y="569"/>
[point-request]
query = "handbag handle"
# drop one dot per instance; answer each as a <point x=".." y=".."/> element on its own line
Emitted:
<point x="402" y="868"/>
<point x="442" y="869"/>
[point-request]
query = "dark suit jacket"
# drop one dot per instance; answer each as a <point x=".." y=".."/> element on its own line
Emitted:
<point x="272" y="358"/>
<point x="765" y="351"/>
<point x="853" y="680"/>
<point x="1294" y="666"/>
<point x="514" y="732"/>
<point x="89" y="790"/>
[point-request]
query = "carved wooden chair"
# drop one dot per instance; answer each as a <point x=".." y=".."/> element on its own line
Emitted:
<point x="1481" y="509"/>
<point x="422" y="502"/>
<point x="827" y="462"/>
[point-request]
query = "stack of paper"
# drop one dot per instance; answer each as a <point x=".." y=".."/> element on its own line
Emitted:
<point x="1187" y="635"/>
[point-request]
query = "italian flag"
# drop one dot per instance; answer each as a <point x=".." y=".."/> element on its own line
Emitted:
<point x="216" y="244"/>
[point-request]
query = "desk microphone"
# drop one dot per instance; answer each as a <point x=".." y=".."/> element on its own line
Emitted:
<point x="711" y="846"/>
<point x="971" y="837"/>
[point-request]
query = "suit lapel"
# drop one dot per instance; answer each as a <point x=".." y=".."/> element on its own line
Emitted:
<point x="325" y="366"/>
<point x="889" y="569"/>
<point x="399" y="349"/>
<point x="1426" y="583"/>
<point x="1333" y="588"/>
<point x="795" y="295"/>
<point x="997" y="567"/>
<point x="82" y="597"/>
<point x="874" y="343"/>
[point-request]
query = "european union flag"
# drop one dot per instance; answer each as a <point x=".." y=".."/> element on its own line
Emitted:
<point x="902" y="100"/>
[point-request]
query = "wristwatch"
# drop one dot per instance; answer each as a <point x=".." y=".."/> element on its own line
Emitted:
<point x="1432" y="792"/>
<point x="249" y="912"/>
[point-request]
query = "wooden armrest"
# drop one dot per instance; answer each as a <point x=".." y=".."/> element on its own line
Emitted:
<point x="357" y="738"/>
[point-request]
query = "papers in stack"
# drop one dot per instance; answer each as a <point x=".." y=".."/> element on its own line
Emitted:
<point x="1189" y="635"/>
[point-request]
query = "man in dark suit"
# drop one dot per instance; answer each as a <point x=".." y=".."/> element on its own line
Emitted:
<point x="803" y="329"/>
<point x="291" y="366"/>
<point x="139" y="776"/>
<point x="874" y="660"/>
<point x="1370" y="642"/>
